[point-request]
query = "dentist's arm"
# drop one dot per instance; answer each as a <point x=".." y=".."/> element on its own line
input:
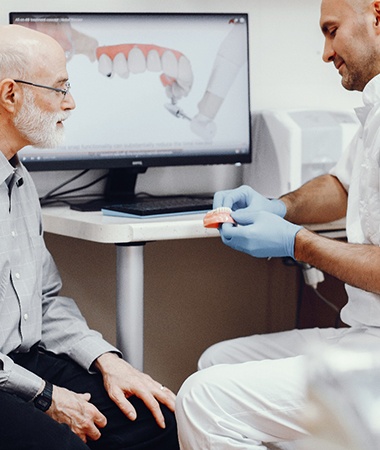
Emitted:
<point x="355" y="264"/>
<point x="262" y="234"/>
<point x="321" y="200"/>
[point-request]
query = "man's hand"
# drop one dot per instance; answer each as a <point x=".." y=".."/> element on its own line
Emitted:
<point x="244" y="197"/>
<point x="260" y="234"/>
<point x="122" y="381"/>
<point x="77" y="412"/>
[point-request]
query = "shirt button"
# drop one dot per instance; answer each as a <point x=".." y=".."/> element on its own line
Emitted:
<point x="13" y="233"/>
<point x="26" y="317"/>
<point x="17" y="275"/>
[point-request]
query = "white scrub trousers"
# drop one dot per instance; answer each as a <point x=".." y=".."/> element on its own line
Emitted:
<point x="250" y="392"/>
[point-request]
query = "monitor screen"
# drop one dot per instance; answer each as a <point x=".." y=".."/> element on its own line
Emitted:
<point x="151" y="89"/>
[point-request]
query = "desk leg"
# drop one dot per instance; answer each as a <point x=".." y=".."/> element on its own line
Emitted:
<point x="130" y="302"/>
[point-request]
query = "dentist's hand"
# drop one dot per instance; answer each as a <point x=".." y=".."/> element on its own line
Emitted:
<point x="260" y="234"/>
<point x="247" y="198"/>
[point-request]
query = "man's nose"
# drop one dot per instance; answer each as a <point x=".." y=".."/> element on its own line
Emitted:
<point x="68" y="102"/>
<point x="328" y="52"/>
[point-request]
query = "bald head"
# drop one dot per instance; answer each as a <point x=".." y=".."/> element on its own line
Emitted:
<point x="23" y="51"/>
<point x="359" y="5"/>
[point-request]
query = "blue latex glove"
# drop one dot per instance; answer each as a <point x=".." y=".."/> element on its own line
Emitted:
<point x="247" y="198"/>
<point x="260" y="234"/>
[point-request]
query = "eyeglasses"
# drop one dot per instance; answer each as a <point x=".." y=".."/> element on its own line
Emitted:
<point x="64" y="92"/>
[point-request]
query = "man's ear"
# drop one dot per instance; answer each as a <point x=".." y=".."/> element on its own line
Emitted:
<point x="9" y="94"/>
<point x="376" y="11"/>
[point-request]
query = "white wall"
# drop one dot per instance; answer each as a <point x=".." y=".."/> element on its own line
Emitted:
<point x="286" y="58"/>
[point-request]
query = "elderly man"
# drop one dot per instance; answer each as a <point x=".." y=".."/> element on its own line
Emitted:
<point x="61" y="385"/>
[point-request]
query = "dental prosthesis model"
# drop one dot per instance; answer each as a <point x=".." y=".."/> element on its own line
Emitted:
<point x="126" y="59"/>
<point x="218" y="216"/>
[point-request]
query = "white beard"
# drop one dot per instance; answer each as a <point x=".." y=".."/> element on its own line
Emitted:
<point x="37" y="126"/>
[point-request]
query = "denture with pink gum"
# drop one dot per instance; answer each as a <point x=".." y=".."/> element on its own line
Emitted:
<point x="218" y="216"/>
<point x="124" y="59"/>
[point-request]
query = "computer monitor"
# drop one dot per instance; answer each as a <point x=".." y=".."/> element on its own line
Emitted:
<point x="151" y="89"/>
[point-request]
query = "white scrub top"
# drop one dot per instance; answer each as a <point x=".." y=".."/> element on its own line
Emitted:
<point x="359" y="172"/>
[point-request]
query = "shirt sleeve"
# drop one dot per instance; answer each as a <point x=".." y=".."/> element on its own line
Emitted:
<point x="14" y="378"/>
<point x="343" y="168"/>
<point x="64" y="329"/>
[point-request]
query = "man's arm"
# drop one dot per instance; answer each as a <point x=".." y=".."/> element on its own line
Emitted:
<point x="320" y="200"/>
<point x="65" y="331"/>
<point x="355" y="264"/>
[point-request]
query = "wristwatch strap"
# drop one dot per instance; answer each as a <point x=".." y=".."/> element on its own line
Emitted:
<point x="44" y="399"/>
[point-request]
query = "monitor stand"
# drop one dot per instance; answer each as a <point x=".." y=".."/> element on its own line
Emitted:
<point x="119" y="188"/>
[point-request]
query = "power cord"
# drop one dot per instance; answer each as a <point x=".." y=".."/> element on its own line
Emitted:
<point x="311" y="276"/>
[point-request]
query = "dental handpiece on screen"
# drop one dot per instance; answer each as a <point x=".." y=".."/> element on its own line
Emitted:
<point x="230" y="58"/>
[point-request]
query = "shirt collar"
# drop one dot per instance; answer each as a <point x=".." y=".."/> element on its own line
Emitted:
<point x="371" y="96"/>
<point x="7" y="170"/>
<point x="371" y="92"/>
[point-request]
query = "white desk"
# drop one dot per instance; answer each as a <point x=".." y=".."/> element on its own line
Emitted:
<point x="130" y="235"/>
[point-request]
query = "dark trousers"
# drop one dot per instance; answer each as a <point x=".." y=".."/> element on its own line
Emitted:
<point x="22" y="426"/>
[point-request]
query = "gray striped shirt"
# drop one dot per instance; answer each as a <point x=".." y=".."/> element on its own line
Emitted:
<point x="31" y="309"/>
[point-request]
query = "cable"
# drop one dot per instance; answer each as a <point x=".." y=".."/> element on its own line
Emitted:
<point x="310" y="276"/>
<point x="49" y="198"/>
<point x="299" y="298"/>
<point x="324" y="299"/>
<point x="67" y="200"/>
<point x="70" y="180"/>
<point x="83" y="187"/>
<point x="330" y="304"/>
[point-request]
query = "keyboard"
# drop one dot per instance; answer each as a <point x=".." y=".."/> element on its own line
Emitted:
<point x="148" y="206"/>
